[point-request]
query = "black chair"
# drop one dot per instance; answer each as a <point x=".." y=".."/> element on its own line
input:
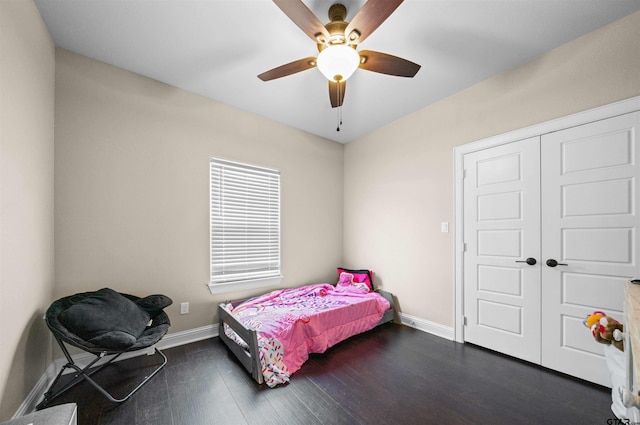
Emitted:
<point x="106" y="324"/>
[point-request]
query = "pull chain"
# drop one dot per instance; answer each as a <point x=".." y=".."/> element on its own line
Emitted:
<point x="339" y="110"/>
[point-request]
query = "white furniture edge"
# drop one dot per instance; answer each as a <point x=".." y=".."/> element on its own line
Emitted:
<point x="599" y="113"/>
<point x="62" y="414"/>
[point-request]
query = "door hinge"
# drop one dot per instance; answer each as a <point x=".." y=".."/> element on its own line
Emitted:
<point x="464" y="173"/>
<point x="464" y="321"/>
<point x="464" y="247"/>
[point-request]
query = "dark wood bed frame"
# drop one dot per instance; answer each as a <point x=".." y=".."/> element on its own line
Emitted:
<point x="250" y="358"/>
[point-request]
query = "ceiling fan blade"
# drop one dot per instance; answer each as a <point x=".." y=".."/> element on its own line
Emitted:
<point x="336" y="93"/>
<point x="387" y="64"/>
<point x="372" y="14"/>
<point x="303" y="17"/>
<point x="288" y="69"/>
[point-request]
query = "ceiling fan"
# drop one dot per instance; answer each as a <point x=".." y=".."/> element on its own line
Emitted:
<point x="337" y="42"/>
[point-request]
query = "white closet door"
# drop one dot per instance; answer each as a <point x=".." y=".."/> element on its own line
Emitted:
<point x="502" y="230"/>
<point x="589" y="226"/>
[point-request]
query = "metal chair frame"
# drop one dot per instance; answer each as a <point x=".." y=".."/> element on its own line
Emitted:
<point x="86" y="373"/>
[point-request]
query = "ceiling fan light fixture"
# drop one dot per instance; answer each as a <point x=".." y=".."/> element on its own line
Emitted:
<point x="338" y="62"/>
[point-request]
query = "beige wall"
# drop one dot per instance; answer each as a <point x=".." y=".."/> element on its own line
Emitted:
<point x="132" y="181"/>
<point x="403" y="173"/>
<point x="26" y="199"/>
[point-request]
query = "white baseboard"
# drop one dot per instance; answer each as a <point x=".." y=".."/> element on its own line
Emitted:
<point x="433" y="328"/>
<point x="188" y="336"/>
<point x="83" y="359"/>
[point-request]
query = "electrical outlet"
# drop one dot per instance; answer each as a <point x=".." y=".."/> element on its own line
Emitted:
<point x="184" y="308"/>
<point x="444" y="227"/>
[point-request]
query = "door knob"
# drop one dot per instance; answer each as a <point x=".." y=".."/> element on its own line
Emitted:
<point x="552" y="263"/>
<point x="530" y="261"/>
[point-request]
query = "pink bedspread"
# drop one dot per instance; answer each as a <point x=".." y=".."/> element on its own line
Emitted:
<point x="294" y="322"/>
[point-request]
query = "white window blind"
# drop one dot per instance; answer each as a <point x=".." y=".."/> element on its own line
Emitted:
<point x="245" y="222"/>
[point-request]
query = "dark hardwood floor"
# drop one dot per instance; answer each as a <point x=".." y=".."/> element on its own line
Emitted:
<point x="390" y="375"/>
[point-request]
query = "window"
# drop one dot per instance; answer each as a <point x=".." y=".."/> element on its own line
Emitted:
<point x="245" y="226"/>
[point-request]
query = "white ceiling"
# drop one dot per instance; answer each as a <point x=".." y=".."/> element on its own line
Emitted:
<point x="216" y="48"/>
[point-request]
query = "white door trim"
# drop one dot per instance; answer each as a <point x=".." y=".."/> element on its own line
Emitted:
<point x="606" y="111"/>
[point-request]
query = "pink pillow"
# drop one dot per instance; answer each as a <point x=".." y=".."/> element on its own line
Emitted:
<point x="361" y="275"/>
<point x="346" y="279"/>
<point x="346" y="283"/>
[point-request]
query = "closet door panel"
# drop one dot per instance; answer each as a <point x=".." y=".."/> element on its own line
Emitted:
<point x="501" y="230"/>
<point x="589" y="202"/>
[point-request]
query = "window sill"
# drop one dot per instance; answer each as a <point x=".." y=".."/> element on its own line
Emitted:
<point x="221" y="288"/>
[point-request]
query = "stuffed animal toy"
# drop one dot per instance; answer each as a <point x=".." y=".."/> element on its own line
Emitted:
<point x="605" y="329"/>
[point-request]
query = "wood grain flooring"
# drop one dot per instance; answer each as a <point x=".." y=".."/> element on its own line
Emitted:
<point x="390" y="375"/>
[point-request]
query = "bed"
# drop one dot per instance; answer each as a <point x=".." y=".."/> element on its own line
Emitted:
<point x="273" y="334"/>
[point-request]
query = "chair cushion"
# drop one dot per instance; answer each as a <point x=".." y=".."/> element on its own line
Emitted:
<point x="154" y="304"/>
<point x="105" y="318"/>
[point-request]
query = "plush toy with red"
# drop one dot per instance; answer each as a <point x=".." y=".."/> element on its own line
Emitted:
<point x="605" y="329"/>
